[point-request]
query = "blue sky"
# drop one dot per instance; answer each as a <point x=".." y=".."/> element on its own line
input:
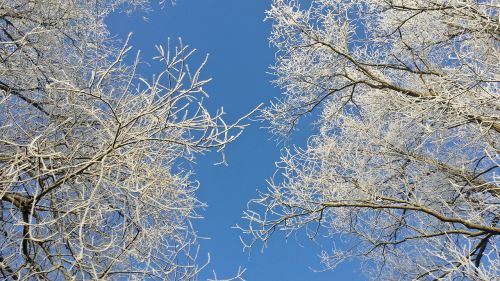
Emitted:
<point x="234" y="34"/>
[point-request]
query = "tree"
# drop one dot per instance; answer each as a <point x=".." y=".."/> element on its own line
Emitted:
<point x="92" y="180"/>
<point x="404" y="165"/>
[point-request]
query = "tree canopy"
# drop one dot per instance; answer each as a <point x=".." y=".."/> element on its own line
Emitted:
<point x="400" y="170"/>
<point x="91" y="181"/>
<point x="404" y="166"/>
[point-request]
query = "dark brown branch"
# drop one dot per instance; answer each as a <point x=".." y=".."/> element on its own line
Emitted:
<point x="17" y="93"/>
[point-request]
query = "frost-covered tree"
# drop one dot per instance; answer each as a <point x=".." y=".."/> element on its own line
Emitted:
<point x="92" y="184"/>
<point x="403" y="168"/>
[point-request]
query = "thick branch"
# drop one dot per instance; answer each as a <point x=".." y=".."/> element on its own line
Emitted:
<point x="17" y="93"/>
<point x="437" y="215"/>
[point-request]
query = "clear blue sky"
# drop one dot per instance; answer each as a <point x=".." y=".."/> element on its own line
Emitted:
<point x="234" y="34"/>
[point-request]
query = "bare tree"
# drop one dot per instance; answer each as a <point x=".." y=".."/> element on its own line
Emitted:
<point x="404" y="167"/>
<point x="92" y="180"/>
